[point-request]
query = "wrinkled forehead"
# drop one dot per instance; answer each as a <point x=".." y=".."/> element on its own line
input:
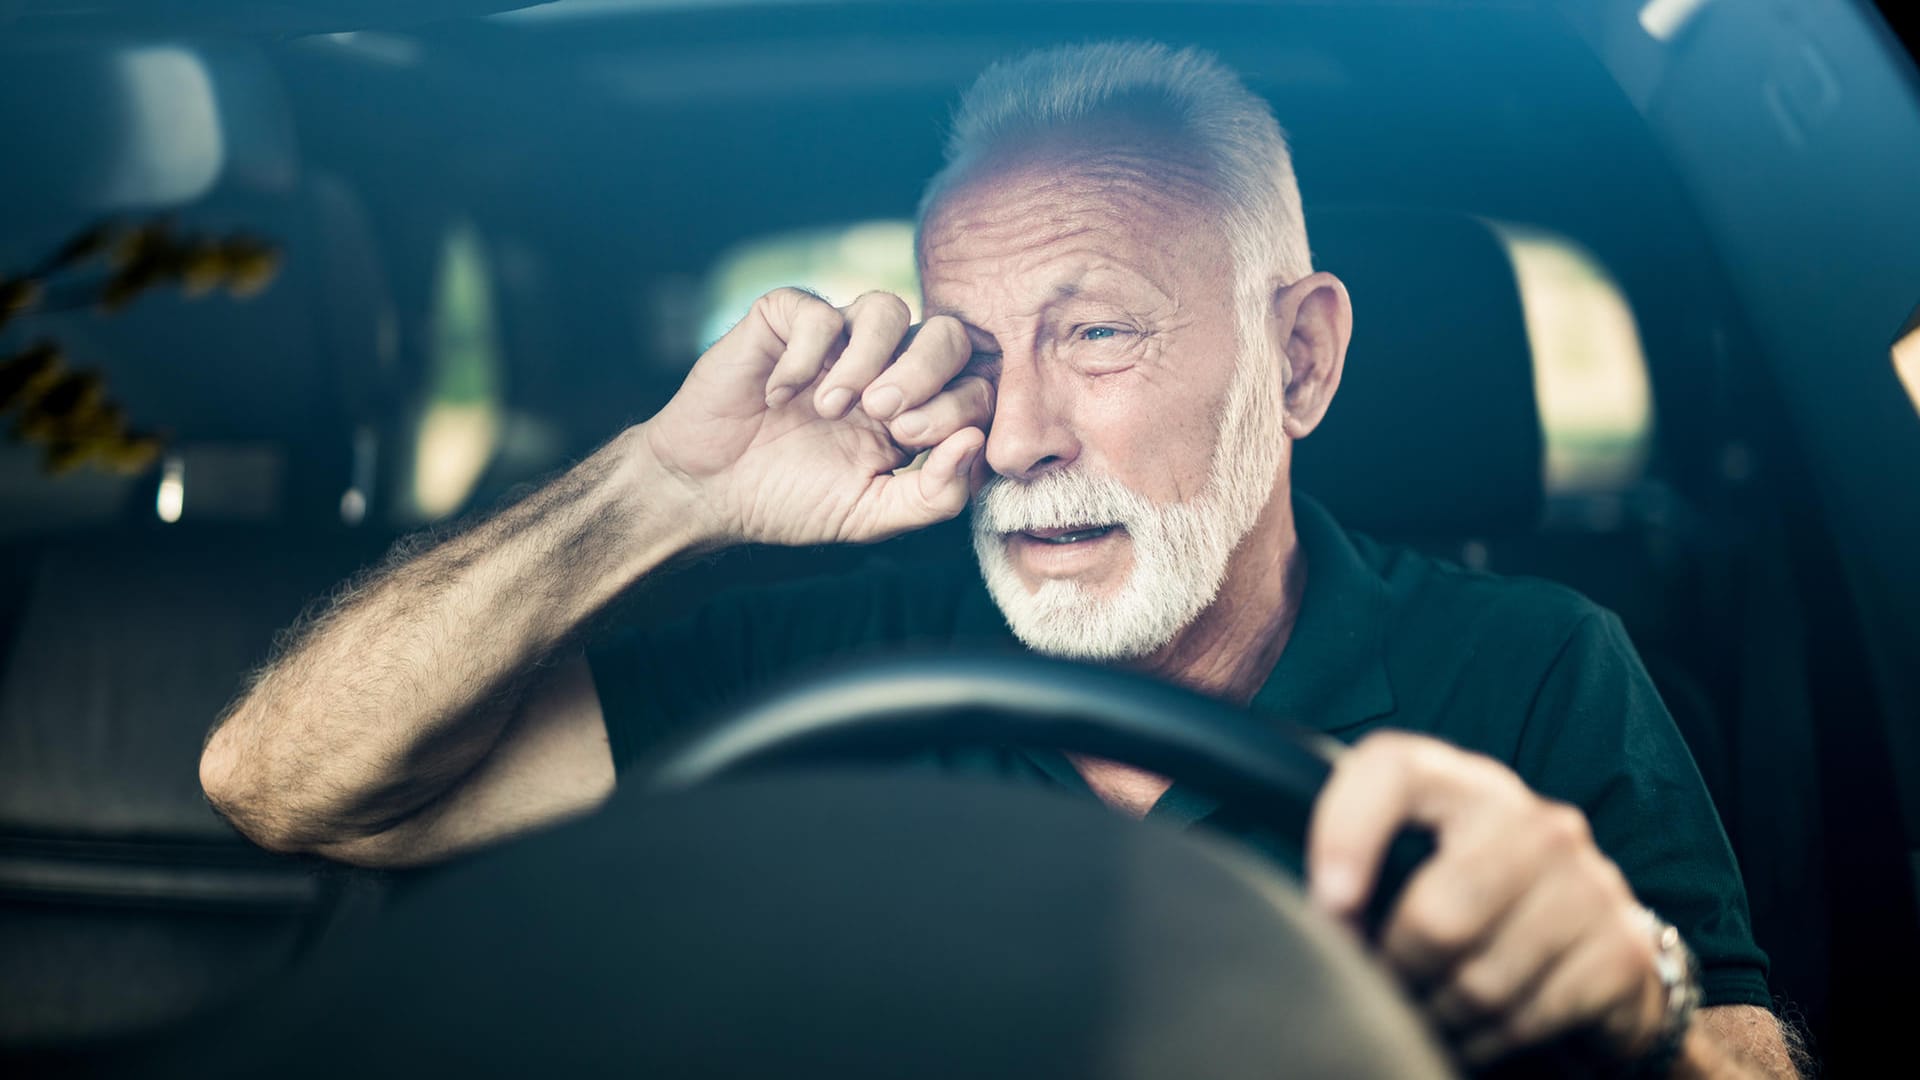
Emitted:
<point x="1053" y="209"/>
<point x="1121" y="157"/>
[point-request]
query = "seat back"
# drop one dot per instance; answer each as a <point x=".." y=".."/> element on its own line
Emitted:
<point x="1434" y="438"/>
<point x="1434" y="431"/>
<point x="125" y="902"/>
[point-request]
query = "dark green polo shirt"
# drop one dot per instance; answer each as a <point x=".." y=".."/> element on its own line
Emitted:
<point x="1525" y="671"/>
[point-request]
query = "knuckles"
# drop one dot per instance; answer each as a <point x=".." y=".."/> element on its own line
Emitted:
<point x="1628" y="955"/>
<point x="1418" y="757"/>
<point x="1388" y="754"/>
<point x="966" y="402"/>
<point x="797" y="299"/>
<point x="948" y="333"/>
<point x="1435" y="929"/>
<point x="1426" y="763"/>
<point x="806" y="309"/>
<point x="821" y="316"/>
<point x="884" y="306"/>
<point x="1563" y="829"/>
<point x="1479" y="991"/>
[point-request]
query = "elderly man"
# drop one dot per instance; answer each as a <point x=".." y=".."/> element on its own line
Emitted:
<point x="1125" y="337"/>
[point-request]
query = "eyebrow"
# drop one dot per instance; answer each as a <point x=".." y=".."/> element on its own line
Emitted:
<point x="1066" y="290"/>
<point x="973" y="333"/>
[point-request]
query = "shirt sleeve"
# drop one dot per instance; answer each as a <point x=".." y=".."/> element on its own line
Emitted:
<point x="658" y="683"/>
<point x="1598" y="736"/>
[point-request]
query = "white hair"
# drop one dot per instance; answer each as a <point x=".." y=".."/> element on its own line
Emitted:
<point x="1228" y="132"/>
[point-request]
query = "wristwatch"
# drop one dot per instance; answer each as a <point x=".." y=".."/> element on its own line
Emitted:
<point x="1679" y="976"/>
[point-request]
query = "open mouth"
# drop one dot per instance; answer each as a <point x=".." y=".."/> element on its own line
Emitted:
<point x="1070" y="535"/>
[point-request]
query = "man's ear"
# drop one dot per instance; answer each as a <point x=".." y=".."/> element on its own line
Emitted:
<point x="1311" y="321"/>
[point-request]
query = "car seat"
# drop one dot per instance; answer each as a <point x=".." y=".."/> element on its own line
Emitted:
<point x="1434" y="439"/>
<point x="125" y="902"/>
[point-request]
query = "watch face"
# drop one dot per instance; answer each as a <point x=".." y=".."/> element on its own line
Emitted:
<point x="1670" y="960"/>
<point x="1673" y="962"/>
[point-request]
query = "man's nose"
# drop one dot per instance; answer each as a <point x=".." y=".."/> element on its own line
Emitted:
<point x="1030" y="434"/>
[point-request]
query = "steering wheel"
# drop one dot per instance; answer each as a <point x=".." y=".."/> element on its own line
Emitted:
<point x="894" y="708"/>
<point x="864" y="925"/>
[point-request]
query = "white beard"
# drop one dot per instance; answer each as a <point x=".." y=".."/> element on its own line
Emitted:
<point x="1180" y="551"/>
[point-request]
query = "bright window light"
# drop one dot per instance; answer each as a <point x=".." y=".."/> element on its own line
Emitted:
<point x="353" y="506"/>
<point x="171" y="499"/>
<point x="1906" y="359"/>
<point x="460" y="428"/>
<point x="388" y="50"/>
<point x="569" y="10"/>
<point x="839" y="263"/>
<point x="1589" y="370"/>
<point x="354" y="501"/>
<point x="173" y="147"/>
<point x="1664" y="19"/>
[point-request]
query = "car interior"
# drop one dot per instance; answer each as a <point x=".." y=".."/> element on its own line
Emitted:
<point x="504" y="231"/>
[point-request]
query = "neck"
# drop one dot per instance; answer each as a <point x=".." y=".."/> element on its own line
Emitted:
<point x="1230" y="649"/>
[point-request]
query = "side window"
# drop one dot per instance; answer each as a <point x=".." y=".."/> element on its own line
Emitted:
<point x="459" y="426"/>
<point x="1590" y="371"/>
<point x="838" y="262"/>
<point x="1906" y="357"/>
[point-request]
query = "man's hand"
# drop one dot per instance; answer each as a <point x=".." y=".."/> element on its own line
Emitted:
<point x="790" y="428"/>
<point x="1518" y="929"/>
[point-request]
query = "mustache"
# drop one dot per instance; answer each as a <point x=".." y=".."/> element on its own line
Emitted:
<point x="1055" y="500"/>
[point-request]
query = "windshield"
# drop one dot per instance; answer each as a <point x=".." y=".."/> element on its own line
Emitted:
<point x="290" y="291"/>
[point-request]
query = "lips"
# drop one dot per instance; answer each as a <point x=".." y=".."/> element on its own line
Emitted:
<point x="1071" y="534"/>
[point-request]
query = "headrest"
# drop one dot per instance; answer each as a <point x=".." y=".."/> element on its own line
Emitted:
<point x="1434" y="431"/>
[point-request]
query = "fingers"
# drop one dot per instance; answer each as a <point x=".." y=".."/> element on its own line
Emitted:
<point x="938" y="352"/>
<point x="1603" y="983"/>
<point x="1491" y="981"/>
<point x="1354" y="818"/>
<point x="855" y="353"/>
<point x="1388" y="781"/>
<point x="810" y="330"/>
<point x="1477" y="885"/>
<point x="968" y="402"/>
<point x="876" y="323"/>
<point x="936" y="491"/>
<point x="1520" y="925"/>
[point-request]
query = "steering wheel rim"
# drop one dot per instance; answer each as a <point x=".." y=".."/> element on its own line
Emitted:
<point x="894" y="707"/>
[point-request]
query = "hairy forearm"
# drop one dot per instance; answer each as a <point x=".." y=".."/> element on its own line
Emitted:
<point x="1740" y="1042"/>
<point x="406" y="681"/>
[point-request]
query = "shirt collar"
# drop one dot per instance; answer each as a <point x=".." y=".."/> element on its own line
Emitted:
<point x="1332" y="674"/>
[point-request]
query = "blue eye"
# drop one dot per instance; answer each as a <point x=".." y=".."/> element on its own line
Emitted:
<point x="1098" y="333"/>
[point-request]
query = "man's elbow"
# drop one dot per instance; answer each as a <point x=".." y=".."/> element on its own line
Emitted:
<point x="233" y="791"/>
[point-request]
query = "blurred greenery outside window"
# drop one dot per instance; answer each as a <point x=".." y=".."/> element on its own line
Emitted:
<point x="838" y="262"/>
<point x="1589" y="369"/>
<point x="460" y="423"/>
<point x="1590" y="372"/>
